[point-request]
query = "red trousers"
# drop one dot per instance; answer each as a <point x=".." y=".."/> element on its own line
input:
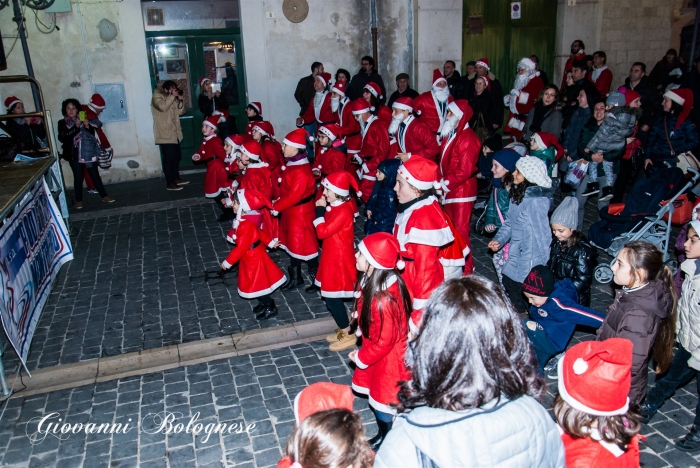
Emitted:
<point x="461" y="214"/>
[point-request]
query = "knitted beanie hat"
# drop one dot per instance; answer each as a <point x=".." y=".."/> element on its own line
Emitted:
<point x="539" y="282"/>
<point x="507" y="158"/>
<point x="534" y="170"/>
<point x="615" y="99"/>
<point x="566" y="213"/>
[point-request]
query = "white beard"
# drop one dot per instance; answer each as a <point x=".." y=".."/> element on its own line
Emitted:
<point x="448" y="126"/>
<point x="521" y="81"/>
<point x="395" y="122"/>
<point x="441" y="94"/>
<point x="335" y="103"/>
<point x="318" y="100"/>
<point x="362" y="124"/>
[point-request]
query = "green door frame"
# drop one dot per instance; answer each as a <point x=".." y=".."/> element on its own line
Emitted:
<point x="194" y="39"/>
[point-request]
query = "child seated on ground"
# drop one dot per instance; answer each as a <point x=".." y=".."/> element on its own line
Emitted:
<point x="554" y="314"/>
<point x="611" y="135"/>
<point x="592" y="408"/>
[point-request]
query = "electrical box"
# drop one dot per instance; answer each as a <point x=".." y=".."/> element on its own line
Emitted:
<point x="115" y="101"/>
<point x="60" y="6"/>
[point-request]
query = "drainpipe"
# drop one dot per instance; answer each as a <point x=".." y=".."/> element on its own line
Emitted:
<point x="373" y="17"/>
<point x="695" y="38"/>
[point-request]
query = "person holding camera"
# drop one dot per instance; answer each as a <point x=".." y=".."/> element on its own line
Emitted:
<point x="167" y="106"/>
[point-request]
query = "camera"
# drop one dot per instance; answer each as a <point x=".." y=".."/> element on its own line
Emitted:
<point x="179" y="91"/>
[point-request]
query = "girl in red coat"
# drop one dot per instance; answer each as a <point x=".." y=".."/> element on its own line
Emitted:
<point x="329" y="157"/>
<point x="295" y="208"/>
<point x="592" y="407"/>
<point x="232" y="146"/>
<point x="383" y="307"/>
<point x="258" y="276"/>
<point x="213" y="154"/>
<point x="271" y="150"/>
<point x="254" y="113"/>
<point x="421" y="230"/>
<point x="336" y="272"/>
<point x="349" y="127"/>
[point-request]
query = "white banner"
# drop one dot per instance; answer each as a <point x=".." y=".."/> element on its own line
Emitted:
<point x="34" y="243"/>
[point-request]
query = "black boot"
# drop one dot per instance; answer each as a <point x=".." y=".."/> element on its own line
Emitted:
<point x="258" y="308"/>
<point x="691" y="441"/>
<point x="291" y="279"/>
<point x="313" y="288"/>
<point x="376" y="441"/>
<point x="267" y="312"/>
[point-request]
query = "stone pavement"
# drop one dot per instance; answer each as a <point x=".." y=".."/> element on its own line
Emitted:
<point x="137" y="282"/>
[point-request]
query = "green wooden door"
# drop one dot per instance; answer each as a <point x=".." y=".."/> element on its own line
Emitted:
<point x="505" y="41"/>
<point x="187" y="56"/>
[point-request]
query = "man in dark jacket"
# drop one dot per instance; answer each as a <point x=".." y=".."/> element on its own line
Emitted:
<point x="692" y="80"/>
<point x="403" y="89"/>
<point x="367" y="74"/>
<point x="639" y="82"/>
<point x="454" y="80"/>
<point x="579" y="70"/>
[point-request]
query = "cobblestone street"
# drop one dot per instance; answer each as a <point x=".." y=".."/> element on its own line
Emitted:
<point x="138" y="282"/>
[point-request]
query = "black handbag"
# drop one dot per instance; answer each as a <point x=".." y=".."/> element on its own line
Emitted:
<point x="9" y="147"/>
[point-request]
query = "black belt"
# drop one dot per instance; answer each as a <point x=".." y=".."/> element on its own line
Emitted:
<point x="407" y="259"/>
<point x="255" y="244"/>
<point x="308" y="199"/>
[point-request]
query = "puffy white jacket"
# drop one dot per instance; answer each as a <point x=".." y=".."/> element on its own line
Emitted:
<point x="688" y="323"/>
<point x="510" y="433"/>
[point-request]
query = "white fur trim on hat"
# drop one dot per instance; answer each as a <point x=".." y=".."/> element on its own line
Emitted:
<point x="328" y="133"/>
<point x="337" y="91"/>
<point x="538" y="140"/>
<point x="256" y="127"/>
<point x="255" y="107"/>
<point x="527" y="63"/>
<point x="695" y="224"/>
<point x="483" y="64"/>
<point x="16" y="101"/>
<point x="419" y="184"/>
<point x="361" y="111"/>
<point x="334" y="189"/>
<point x="674" y="97"/>
<point x="578" y="369"/>
<point x="401" y="106"/>
<point x="249" y="154"/>
<point x="230" y="142"/>
<point x="295" y="145"/>
<point x="363" y="249"/>
<point x="455" y="109"/>
<point x="209" y="124"/>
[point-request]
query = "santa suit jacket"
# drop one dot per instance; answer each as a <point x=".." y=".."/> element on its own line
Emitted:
<point x="375" y="149"/>
<point x="421" y="230"/>
<point x="524" y="103"/>
<point x="296" y="208"/>
<point x="586" y="452"/>
<point x="99" y="133"/>
<point x="213" y="154"/>
<point x="257" y="177"/>
<point x="349" y="128"/>
<point x="425" y="106"/>
<point x="325" y="114"/>
<point x="458" y="165"/>
<point x="603" y="82"/>
<point x="416" y="139"/>
<point x="329" y="160"/>
<point x="454" y="254"/>
<point x="380" y="360"/>
<point x="258" y="275"/>
<point x="384" y="116"/>
<point x="335" y="226"/>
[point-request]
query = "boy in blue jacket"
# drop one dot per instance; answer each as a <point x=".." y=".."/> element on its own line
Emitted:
<point x="554" y="313"/>
<point x="381" y="206"/>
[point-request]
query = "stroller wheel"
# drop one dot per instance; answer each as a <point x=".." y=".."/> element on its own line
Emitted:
<point x="673" y="265"/>
<point x="603" y="274"/>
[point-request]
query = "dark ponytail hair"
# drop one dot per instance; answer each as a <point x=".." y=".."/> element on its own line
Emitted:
<point x="517" y="192"/>
<point x="374" y="290"/>
<point x="647" y="263"/>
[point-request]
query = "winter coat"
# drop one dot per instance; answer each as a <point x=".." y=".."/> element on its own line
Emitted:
<point x="380" y="360"/>
<point x="560" y="314"/>
<point x="649" y="96"/>
<point x="483" y="104"/>
<point x="207" y="105"/>
<point x="305" y="93"/>
<point x="636" y="315"/>
<point x="166" y="110"/>
<point x="500" y="197"/>
<point x="551" y="123"/>
<point x="335" y="226"/>
<point x="612" y="133"/>
<point x="67" y="130"/>
<point x="32" y="136"/>
<point x="688" y="324"/>
<point x="659" y="75"/>
<point x="587" y="133"/>
<point x="575" y="263"/>
<point x="382" y="202"/>
<point x="573" y="131"/>
<point x="548" y="156"/>
<point x="360" y="80"/>
<point x="527" y="228"/>
<point x="518" y="433"/>
<point x="684" y="138"/>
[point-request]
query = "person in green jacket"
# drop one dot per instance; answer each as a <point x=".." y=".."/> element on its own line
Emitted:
<point x="497" y="206"/>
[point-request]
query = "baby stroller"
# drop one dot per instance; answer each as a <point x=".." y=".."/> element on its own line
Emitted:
<point x="641" y="218"/>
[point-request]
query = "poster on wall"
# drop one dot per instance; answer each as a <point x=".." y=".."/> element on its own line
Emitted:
<point x="34" y="243"/>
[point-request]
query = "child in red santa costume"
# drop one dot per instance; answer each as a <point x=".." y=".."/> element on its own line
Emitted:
<point x="258" y="276"/>
<point x="213" y="154"/>
<point x="295" y="208"/>
<point x="336" y="272"/>
<point x="521" y="100"/>
<point x="421" y="230"/>
<point x="375" y="146"/>
<point x="592" y="408"/>
<point x="232" y="146"/>
<point x="254" y="113"/>
<point x="372" y="93"/>
<point x="270" y="152"/>
<point x="329" y="155"/>
<point x="349" y="127"/>
<point x="383" y="308"/>
<point x="255" y="175"/>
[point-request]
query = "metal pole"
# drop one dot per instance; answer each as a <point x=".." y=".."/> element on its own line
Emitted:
<point x="373" y="20"/>
<point x="695" y="39"/>
<point x="19" y="19"/>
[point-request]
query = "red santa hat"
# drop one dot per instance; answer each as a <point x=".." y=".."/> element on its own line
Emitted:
<point x="359" y="106"/>
<point x="332" y="131"/>
<point x="235" y="141"/>
<point x="595" y="376"/>
<point x="97" y="102"/>
<point x="251" y="199"/>
<point x="257" y="106"/>
<point x="420" y="173"/>
<point x="630" y="94"/>
<point x="325" y="77"/>
<point x="339" y="87"/>
<point x="484" y="62"/>
<point x="437" y="76"/>
<point x="374" y="89"/>
<point x="212" y="121"/>
<point x="265" y="128"/>
<point x="251" y="148"/>
<point x="684" y="97"/>
<point x="297" y="138"/>
<point x="461" y="109"/>
<point x="545" y="140"/>
<point x="322" y="396"/>
<point x="339" y="182"/>
<point x="404" y="103"/>
<point x="11" y="101"/>
<point x="382" y="251"/>
<point x="202" y="81"/>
